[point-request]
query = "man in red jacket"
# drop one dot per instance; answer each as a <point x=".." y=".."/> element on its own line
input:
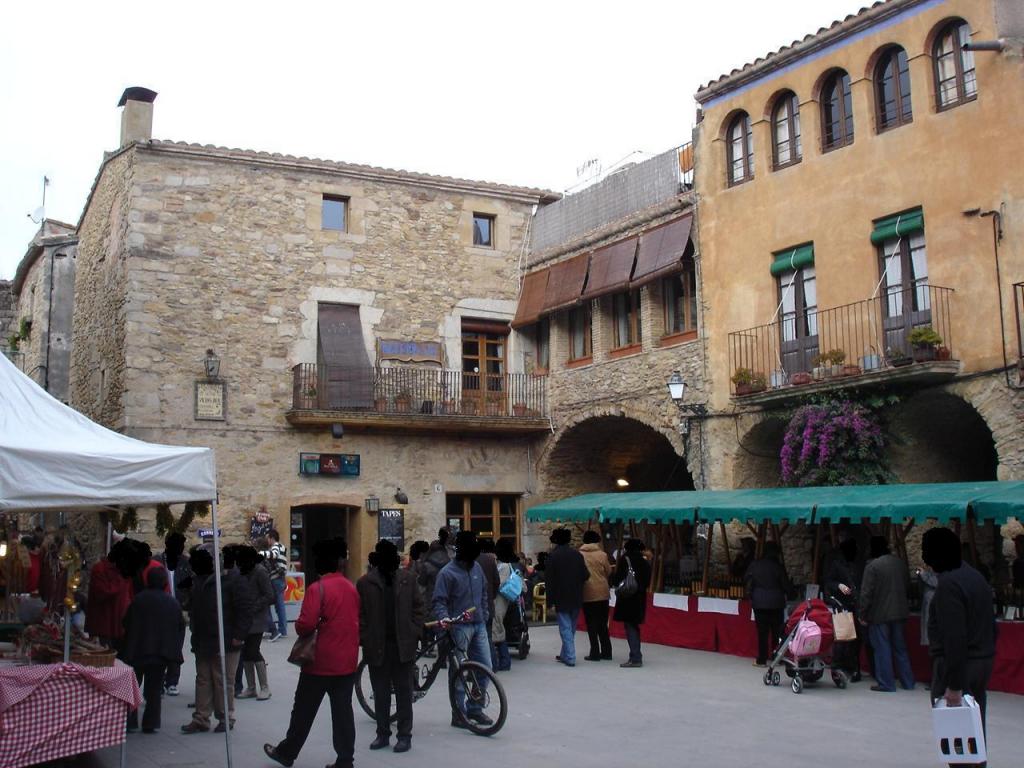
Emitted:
<point x="110" y="594"/>
<point x="330" y="608"/>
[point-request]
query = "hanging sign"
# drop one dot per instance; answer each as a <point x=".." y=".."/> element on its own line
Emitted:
<point x="329" y="464"/>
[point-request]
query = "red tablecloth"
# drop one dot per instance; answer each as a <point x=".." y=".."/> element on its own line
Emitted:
<point x="736" y="635"/>
<point x="49" y="711"/>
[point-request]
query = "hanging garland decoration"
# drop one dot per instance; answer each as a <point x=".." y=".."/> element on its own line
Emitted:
<point x="123" y="519"/>
<point x="166" y="522"/>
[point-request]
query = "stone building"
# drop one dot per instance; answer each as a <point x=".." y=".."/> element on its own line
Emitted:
<point x="44" y="293"/>
<point x="337" y="333"/>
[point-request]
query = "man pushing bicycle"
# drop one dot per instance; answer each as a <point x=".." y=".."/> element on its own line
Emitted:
<point x="461" y="586"/>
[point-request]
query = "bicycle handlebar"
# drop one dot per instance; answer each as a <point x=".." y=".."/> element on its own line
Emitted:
<point x="461" y="618"/>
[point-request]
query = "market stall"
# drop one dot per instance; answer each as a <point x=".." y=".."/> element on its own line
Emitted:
<point x="54" y="458"/>
<point x="697" y="610"/>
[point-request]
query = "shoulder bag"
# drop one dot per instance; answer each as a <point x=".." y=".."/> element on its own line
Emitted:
<point x="304" y="650"/>
<point x="628" y="586"/>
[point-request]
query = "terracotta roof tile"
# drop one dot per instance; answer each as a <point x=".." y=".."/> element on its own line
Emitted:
<point x="808" y="39"/>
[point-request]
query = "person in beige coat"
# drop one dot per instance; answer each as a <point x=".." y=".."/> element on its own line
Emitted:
<point x="595" y="596"/>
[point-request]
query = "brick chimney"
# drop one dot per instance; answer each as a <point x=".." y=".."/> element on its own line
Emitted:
<point x="137" y="116"/>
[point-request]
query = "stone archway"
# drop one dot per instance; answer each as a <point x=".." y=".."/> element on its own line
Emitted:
<point x="757" y="457"/>
<point x="938" y="437"/>
<point x="592" y="451"/>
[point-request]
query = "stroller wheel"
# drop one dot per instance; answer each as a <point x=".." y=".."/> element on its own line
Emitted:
<point x="767" y="678"/>
<point x="797" y="684"/>
<point x="776" y="677"/>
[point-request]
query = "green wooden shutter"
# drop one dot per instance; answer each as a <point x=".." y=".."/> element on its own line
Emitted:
<point x="908" y="222"/>
<point x="792" y="259"/>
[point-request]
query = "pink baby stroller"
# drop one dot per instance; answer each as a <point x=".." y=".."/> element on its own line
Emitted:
<point x="806" y="651"/>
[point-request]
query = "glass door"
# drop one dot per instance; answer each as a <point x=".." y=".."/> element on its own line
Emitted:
<point x="484" y="384"/>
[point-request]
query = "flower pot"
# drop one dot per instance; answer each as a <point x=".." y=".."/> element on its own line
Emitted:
<point x="799" y="379"/>
<point x="748" y="389"/>
<point x="818" y="374"/>
<point x="778" y="379"/>
<point x="943" y="353"/>
<point x="923" y="353"/>
<point x="899" y="362"/>
<point x="871" y="362"/>
<point x="851" y="370"/>
<point x="380" y="404"/>
<point x="519" y="409"/>
<point x="403" y="403"/>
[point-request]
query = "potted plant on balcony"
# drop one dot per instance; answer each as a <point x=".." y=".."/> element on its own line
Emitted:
<point x="828" y="364"/>
<point x="800" y="378"/>
<point x="519" y="409"/>
<point x="308" y="399"/>
<point x="748" y="382"/>
<point x="403" y="400"/>
<point x="924" y="340"/>
<point x="897" y="358"/>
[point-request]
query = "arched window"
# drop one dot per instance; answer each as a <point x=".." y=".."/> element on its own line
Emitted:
<point x="892" y="89"/>
<point x="740" y="150"/>
<point x="786" y="148"/>
<point x="836" y="111"/>
<point x="955" y="81"/>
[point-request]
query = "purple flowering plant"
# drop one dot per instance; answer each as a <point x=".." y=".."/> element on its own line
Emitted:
<point x="834" y="443"/>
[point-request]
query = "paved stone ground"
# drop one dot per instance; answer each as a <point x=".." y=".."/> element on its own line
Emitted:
<point x="685" y="708"/>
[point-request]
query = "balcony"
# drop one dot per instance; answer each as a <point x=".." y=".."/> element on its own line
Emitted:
<point x="417" y="400"/>
<point x="867" y="343"/>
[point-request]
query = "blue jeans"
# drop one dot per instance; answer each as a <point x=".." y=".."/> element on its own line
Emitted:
<point x="471" y="639"/>
<point x="633" y="639"/>
<point x="888" y="642"/>
<point x="567" y="621"/>
<point x="282" y="619"/>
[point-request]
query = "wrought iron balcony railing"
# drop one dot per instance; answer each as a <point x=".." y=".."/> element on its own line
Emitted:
<point x="402" y="390"/>
<point x="899" y="328"/>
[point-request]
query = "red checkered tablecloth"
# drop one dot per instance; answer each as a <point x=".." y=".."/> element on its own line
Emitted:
<point x="49" y="711"/>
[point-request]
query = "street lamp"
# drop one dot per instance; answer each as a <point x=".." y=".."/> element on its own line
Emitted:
<point x="212" y="365"/>
<point x="677" y="390"/>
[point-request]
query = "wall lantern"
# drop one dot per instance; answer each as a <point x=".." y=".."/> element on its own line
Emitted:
<point x="677" y="390"/>
<point x="211" y="363"/>
<point x="372" y="505"/>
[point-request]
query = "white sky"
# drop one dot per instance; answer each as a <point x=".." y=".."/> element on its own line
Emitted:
<point x="521" y="93"/>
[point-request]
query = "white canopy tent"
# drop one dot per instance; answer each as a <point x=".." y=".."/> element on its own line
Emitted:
<point x="53" y="457"/>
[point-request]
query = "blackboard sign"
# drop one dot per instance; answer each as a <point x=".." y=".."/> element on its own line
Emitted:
<point x="391" y="526"/>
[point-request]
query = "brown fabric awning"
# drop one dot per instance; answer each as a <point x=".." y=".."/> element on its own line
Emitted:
<point x="610" y="269"/>
<point x="661" y="251"/>
<point x="531" y="298"/>
<point x="565" y="283"/>
<point x="342" y="356"/>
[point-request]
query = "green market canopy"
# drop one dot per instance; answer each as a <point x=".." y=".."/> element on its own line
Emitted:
<point x="943" y="502"/>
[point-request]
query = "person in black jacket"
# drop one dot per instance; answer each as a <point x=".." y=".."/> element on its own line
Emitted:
<point x="179" y="573"/>
<point x="564" y="576"/>
<point x="961" y="624"/>
<point x="841" y="585"/>
<point x="237" y="615"/>
<point x="152" y="626"/>
<point x="767" y="585"/>
<point x="632" y="609"/>
<point x="251" y="569"/>
<point x="391" y="614"/>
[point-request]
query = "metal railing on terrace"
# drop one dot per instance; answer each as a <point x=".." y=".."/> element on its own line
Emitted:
<point x="402" y="390"/>
<point x="901" y="327"/>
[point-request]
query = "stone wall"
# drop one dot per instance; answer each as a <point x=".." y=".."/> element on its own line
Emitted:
<point x="7" y="314"/>
<point x="203" y="249"/>
<point x="98" y="366"/>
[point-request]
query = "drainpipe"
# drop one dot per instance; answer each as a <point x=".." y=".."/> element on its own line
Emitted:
<point x="986" y="45"/>
<point x="997" y="235"/>
<point x="49" y="321"/>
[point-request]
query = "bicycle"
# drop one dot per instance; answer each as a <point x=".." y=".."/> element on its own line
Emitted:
<point x="482" y="688"/>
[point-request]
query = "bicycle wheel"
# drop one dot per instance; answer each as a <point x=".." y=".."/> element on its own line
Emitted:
<point x="485" y="698"/>
<point x="364" y="693"/>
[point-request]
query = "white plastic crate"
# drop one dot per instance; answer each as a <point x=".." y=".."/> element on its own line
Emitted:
<point x="959" y="737"/>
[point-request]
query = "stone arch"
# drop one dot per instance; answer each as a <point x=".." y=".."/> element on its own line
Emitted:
<point x="596" y="446"/>
<point x="757" y="459"/>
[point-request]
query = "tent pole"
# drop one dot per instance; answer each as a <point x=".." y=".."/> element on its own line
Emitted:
<point x="220" y="632"/>
<point x="725" y="543"/>
<point x="707" y="558"/>
<point x="816" y="567"/>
